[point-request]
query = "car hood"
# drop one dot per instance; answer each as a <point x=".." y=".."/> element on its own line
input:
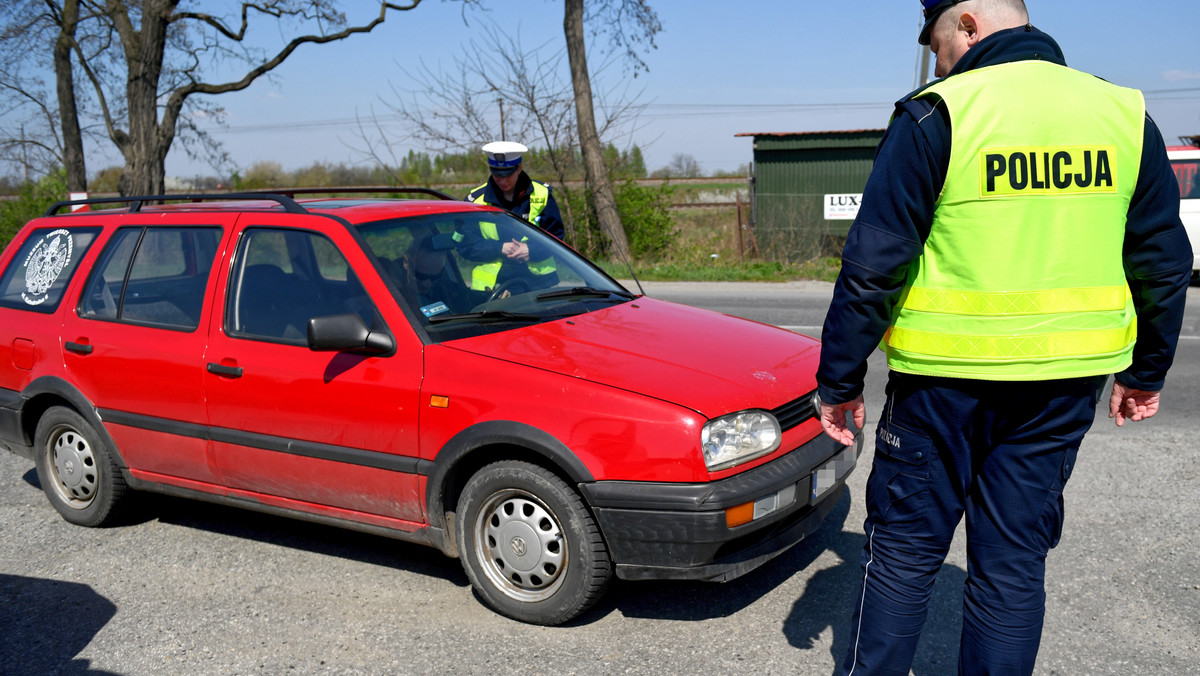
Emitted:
<point x="709" y="362"/>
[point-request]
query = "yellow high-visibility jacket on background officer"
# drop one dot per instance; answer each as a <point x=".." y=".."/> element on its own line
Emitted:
<point x="533" y="201"/>
<point x="1021" y="275"/>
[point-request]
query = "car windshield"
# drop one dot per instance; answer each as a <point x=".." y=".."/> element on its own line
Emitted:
<point x="470" y="273"/>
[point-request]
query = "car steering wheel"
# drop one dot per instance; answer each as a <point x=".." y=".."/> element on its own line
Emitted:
<point x="511" y="286"/>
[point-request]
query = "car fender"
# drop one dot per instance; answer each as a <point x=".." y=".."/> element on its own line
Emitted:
<point x="47" y="391"/>
<point x="457" y="460"/>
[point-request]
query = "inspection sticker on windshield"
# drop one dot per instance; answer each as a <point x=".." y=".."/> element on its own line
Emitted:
<point x="827" y="475"/>
<point x="434" y="309"/>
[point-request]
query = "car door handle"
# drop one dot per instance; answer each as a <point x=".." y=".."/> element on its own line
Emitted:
<point x="78" y="348"/>
<point x="222" y="370"/>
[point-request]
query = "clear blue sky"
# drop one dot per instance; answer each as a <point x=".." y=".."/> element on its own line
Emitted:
<point x="720" y="68"/>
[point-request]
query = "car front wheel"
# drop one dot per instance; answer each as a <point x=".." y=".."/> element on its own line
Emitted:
<point x="529" y="545"/>
<point x="76" y="470"/>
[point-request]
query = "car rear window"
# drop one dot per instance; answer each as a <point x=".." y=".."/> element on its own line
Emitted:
<point x="1186" y="172"/>
<point x="152" y="275"/>
<point x="43" y="266"/>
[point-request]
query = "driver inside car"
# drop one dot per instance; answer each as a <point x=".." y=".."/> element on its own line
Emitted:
<point x="428" y="281"/>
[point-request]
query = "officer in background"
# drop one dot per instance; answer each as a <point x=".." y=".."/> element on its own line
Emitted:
<point x="509" y="187"/>
<point x="1005" y="280"/>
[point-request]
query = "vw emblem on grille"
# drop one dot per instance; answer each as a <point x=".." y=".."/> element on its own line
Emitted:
<point x="518" y="546"/>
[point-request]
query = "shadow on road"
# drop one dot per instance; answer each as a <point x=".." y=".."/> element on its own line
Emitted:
<point x="826" y="602"/>
<point x="303" y="535"/>
<point x="830" y="594"/>
<point x="684" y="600"/>
<point x="44" y="624"/>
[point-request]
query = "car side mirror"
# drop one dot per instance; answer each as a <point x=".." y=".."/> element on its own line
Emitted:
<point x="347" y="333"/>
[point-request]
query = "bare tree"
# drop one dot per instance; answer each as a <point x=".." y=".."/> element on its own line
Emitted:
<point x="682" y="165"/>
<point x="152" y="70"/>
<point x="457" y="111"/>
<point x="33" y="135"/>
<point x="613" y="16"/>
<point x="76" y="169"/>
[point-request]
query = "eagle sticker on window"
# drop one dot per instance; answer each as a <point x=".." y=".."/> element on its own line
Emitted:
<point x="45" y="263"/>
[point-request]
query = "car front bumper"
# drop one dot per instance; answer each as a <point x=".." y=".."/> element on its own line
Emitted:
<point x="679" y="531"/>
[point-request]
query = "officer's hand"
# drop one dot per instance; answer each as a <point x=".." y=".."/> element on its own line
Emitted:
<point x="1127" y="402"/>
<point x="834" y="416"/>
<point x="518" y="251"/>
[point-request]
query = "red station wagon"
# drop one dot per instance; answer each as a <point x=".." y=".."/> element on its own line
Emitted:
<point x="375" y="364"/>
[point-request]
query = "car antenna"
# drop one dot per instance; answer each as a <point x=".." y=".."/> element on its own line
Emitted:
<point x="641" y="291"/>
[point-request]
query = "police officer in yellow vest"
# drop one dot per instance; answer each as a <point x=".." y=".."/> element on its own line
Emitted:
<point x="1004" y="281"/>
<point x="509" y="187"/>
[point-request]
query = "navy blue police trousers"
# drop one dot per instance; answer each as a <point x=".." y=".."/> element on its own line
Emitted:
<point x="998" y="453"/>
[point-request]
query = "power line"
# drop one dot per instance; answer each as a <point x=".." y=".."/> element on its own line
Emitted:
<point x="652" y="111"/>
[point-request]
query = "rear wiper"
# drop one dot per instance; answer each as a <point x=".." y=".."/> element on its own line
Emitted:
<point x="584" y="291"/>
<point x="495" y="315"/>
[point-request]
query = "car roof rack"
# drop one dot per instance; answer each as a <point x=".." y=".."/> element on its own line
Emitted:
<point x="135" y="203"/>
<point x="361" y="189"/>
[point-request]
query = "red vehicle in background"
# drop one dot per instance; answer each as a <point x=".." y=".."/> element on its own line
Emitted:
<point x="338" y="360"/>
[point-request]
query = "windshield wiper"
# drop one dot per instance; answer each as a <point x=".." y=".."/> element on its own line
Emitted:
<point x="490" y="315"/>
<point x="586" y="291"/>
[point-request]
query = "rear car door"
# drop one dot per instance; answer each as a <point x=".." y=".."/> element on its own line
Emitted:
<point x="134" y="343"/>
<point x="325" y="432"/>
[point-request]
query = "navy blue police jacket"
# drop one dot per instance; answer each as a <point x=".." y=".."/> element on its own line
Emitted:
<point x="551" y="219"/>
<point x="898" y="207"/>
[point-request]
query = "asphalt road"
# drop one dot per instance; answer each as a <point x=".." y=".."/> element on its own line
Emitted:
<point x="189" y="588"/>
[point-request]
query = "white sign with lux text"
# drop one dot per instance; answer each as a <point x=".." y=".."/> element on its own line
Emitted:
<point x="842" y="207"/>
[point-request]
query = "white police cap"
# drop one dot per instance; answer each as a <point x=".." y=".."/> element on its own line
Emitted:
<point x="504" y="156"/>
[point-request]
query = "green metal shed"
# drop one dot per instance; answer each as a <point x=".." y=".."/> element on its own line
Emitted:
<point x="805" y="189"/>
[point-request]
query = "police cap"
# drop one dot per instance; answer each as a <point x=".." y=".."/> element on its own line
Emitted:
<point x="933" y="10"/>
<point x="504" y="157"/>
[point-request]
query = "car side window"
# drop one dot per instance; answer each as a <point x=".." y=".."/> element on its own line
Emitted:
<point x="39" y="273"/>
<point x="282" y="278"/>
<point x="154" y="276"/>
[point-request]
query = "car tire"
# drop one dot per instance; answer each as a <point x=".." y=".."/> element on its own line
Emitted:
<point x="76" y="469"/>
<point x="529" y="545"/>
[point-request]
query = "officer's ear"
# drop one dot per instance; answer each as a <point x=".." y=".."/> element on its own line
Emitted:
<point x="968" y="24"/>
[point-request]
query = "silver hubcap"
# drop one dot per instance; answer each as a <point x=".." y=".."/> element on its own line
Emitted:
<point x="520" y="545"/>
<point x="74" y="468"/>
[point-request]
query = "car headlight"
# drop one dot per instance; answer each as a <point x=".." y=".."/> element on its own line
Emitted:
<point x="738" y="437"/>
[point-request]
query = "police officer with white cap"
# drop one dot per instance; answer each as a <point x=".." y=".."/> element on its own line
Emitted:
<point x="509" y="187"/>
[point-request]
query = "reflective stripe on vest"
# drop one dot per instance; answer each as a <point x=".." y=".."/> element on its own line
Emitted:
<point x="483" y="275"/>
<point x="1021" y="277"/>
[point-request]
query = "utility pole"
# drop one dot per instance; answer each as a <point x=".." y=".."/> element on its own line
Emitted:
<point x="502" y="136"/>
<point x="925" y="52"/>
<point x="922" y="76"/>
<point x="24" y="157"/>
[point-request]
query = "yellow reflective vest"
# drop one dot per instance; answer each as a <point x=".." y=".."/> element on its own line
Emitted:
<point x="1021" y="277"/>
<point x="483" y="275"/>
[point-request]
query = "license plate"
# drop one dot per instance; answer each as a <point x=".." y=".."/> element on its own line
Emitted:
<point x="826" y="476"/>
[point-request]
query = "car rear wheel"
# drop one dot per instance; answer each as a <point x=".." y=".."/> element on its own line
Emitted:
<point x="529" y="545"/>
<point x="76" y="470"/>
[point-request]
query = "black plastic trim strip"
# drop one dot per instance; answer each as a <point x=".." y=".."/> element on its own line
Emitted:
<point x="266" y="442"/>
<point x="10" y="419"/>
<point x="9" y="398"/>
